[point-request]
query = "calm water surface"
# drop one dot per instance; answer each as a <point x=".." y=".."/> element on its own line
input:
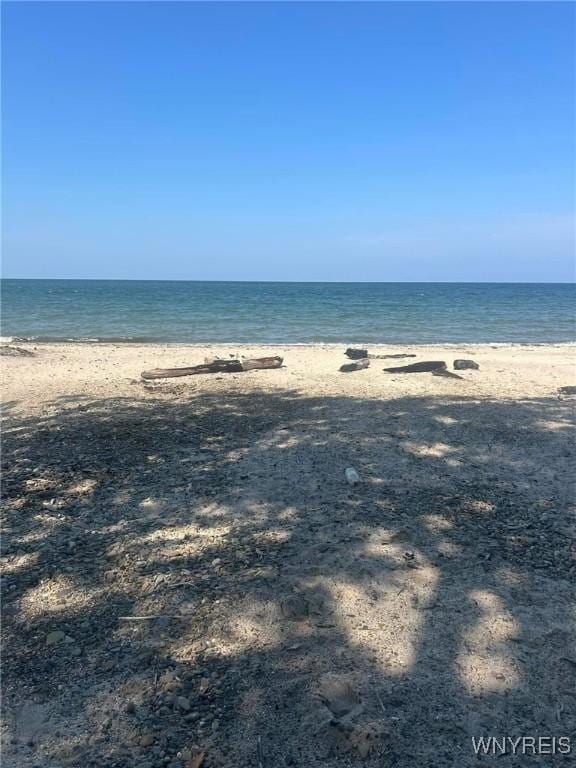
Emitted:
<point x="288" y="312"/>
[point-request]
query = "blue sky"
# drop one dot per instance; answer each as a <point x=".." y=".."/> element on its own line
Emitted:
<point x="289" y="141"/>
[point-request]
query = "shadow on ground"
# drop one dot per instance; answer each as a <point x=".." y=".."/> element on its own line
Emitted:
<point x="299" y="621"/>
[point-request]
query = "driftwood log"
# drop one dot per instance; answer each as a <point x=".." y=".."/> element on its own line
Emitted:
<point x="362" y="354"/>
<point x="215" y="366"/>
<point x="357" y="365"/>
<point x="425" y="367"/>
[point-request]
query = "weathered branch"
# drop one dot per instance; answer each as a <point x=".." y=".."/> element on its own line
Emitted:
<point x="216" y="366"/>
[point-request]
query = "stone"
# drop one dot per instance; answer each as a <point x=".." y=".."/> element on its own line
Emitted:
<point x="466" y="365"/>
<point x="146" y="740"/>
<point x="53" y="638"/>
<point x="183" y="702"/>
<point x="356" y="354"/>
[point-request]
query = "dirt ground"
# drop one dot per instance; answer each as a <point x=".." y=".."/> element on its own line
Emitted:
<point x="188" y="579"/>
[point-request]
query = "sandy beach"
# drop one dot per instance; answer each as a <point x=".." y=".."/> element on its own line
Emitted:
<point x="186" y="570"/>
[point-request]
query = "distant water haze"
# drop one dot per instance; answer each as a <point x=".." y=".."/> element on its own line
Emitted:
<point x="266" y="312"/>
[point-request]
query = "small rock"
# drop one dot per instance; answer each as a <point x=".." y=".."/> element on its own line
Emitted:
<point x="466" y="365"/>
<point x="147" y="740"/>
<point x="216" y="561"/>
<point x="203" y="686"/>
<point x="53" y="638"/>
<point x="183" y="702"/>
<point x="356" y="354"/>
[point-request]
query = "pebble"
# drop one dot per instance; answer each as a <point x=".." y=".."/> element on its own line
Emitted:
<point x="147" y="740"/>
<point x="52" y="638"/>
<point x="183" y="702"/>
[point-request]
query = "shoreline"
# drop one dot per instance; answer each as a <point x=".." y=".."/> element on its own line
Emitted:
<point x="57" y="373"/>
<point x="15" y="340"/>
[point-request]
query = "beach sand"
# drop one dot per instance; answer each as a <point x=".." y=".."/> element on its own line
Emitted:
<point x="300" y="621"/>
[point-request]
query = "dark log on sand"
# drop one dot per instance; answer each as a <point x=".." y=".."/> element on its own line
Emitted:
<point x="567" y="390"/>
<point x="216" y="366"/>
<point x="426" y="367"/>
<point x="360" y="354"/>
<point x="357" y="365"/>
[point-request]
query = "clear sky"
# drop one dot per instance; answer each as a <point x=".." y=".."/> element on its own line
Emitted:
<point x="289" y="141"/>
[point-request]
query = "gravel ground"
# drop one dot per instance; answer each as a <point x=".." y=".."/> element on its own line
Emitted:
<point x="188" y="579"/>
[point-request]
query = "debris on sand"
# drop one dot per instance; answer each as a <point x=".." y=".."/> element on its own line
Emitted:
<point x="6" y="350"/>
<point x="361" y="354"/>
<point x="466" y="365"/>
<point x="356" y="354"/>
<point x="216" y="366"/>
<point x="358" y="365"/>
<point x="424" y="367"/>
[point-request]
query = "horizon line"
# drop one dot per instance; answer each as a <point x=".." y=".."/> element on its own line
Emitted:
<point x="301" y="282"/>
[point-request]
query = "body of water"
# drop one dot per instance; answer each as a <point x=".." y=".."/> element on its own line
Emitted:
<point x="254" y="312"/>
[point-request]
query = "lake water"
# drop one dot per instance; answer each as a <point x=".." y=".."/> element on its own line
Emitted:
<point x="255" y="312"/>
